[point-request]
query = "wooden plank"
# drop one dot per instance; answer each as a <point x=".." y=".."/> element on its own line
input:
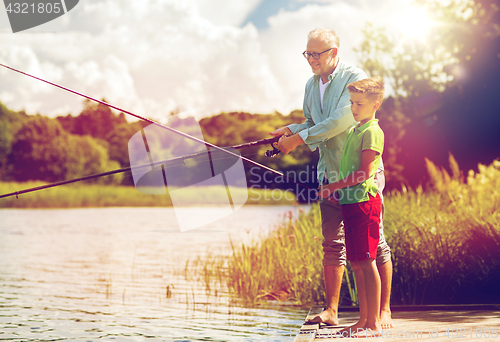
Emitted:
<point x="437" y="325"/>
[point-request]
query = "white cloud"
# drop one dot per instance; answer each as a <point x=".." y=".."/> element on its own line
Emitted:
<point x="286" y="39"/>
<point x="160" y="56"/>
<point x="148" y="59"/>
<point x="223" y="12"/>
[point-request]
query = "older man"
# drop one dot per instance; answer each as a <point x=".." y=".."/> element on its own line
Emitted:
<point x="328" y="118"/>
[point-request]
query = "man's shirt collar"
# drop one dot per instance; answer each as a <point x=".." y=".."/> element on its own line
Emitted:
<point x="334" y="73"/>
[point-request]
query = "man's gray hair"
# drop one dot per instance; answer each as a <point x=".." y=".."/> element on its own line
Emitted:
<point x="329" y="36"/>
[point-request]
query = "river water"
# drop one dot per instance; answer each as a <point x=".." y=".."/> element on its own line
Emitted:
<point x="120" y="274"/>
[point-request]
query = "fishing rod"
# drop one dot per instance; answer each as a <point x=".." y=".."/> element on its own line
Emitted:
<point x="185" y="135"/>
<point x="149" y="165"/>
<point x="269" y="153"/>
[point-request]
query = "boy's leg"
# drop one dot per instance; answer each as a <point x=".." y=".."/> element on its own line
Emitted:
<point x="363" y="309"/>
<point x="372" y="292"/>
<point x="384" y="262"/>
<point x="334" y="259"/>
<point x="362" y="238"/>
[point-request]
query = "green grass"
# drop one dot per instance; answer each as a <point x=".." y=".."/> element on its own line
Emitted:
<point x="284" y="265"/>
<point x="98" y="195"/>
<point x="445" y="243"/>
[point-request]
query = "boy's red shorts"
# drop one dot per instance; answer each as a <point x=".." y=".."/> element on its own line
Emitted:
<point x="361" y="227"/>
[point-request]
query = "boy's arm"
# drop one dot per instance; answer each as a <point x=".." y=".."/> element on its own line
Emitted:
<point x="358" y="176"/>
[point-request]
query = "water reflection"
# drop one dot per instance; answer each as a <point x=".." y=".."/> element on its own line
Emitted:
<point x="120" y="274"/>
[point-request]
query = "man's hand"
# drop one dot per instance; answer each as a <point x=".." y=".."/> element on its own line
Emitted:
<point x="288" y="143"/>
<point x="281" y="131"/>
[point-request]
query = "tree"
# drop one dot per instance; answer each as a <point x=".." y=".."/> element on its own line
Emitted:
<point x="86" y="156"/>
<point x="43" y="150"/>
<point x="443" y="87"/>
<point x="36" y="151"/>
<point x="10" y="122"/>
<point x="96" y="120"/>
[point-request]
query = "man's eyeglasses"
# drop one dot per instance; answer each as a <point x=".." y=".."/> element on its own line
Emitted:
<point x="314" y="55"/>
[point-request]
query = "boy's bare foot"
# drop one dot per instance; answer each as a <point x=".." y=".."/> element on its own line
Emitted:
<point x="373" y="327"/>
<point x="386" y="319"/>
<point x="328" y="316"/>
<point x="353" y="328"/>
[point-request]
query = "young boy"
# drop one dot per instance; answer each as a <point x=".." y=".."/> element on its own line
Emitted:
<point x="361" y="204"/>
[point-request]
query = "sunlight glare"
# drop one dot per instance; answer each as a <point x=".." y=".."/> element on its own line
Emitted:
<point x="414" y="23"/>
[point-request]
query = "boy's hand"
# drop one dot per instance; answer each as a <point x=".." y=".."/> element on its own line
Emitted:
<point x="324" y="192"/>
<point x="328" y="193"/>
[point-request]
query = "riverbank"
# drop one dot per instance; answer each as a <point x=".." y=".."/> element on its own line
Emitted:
<point x="445" y="245"/>
<point x="98" y="195"/>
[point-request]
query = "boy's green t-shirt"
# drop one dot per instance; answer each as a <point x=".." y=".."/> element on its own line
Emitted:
<point x="367" y="137"/>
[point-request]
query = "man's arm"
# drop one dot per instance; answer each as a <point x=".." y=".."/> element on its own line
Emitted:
<point x="281" y="131"/>
<point x="337" y="122"/>
<point x="287" y="141"/>
<point x="358" y="176"/>
<point x="313" y="135"/>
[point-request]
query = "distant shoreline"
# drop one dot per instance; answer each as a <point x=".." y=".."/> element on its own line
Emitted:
<point x="98" y="196"/>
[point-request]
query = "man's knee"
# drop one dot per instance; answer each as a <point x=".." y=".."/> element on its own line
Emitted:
<point x="333" y="261"/>
<point x="383" y="252"/>
<point x="334" y="253"/>
<point x="333" y="235"/>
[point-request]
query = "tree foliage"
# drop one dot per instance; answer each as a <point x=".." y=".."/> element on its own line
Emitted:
<point x="97" y="140"/>
<point x="442" y="87"/>
<point x="10" y="122"/>
<point x="229" y="129"/>
<point x="43" y="150"/>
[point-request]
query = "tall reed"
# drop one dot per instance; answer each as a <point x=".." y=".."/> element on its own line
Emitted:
<point x="284" y="265"/>
<point x="445" y="247"/>
<point x="446" y="241"/>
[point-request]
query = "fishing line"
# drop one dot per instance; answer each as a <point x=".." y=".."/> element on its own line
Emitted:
<point x="185" y="135"/>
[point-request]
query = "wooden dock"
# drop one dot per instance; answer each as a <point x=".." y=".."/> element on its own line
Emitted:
<point x="469" y="323"/>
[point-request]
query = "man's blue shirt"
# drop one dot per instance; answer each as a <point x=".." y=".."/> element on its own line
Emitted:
<point x="327" y="128"/>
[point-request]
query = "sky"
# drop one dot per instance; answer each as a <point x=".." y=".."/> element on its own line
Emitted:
<point x="157" y="57"/>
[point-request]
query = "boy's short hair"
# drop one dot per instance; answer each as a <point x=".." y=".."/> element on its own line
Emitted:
<point x="372" y="87"/>
<point x="329" y="36"/>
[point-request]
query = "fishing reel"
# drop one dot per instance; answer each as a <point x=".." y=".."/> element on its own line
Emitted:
<point x="274" y="152"/>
